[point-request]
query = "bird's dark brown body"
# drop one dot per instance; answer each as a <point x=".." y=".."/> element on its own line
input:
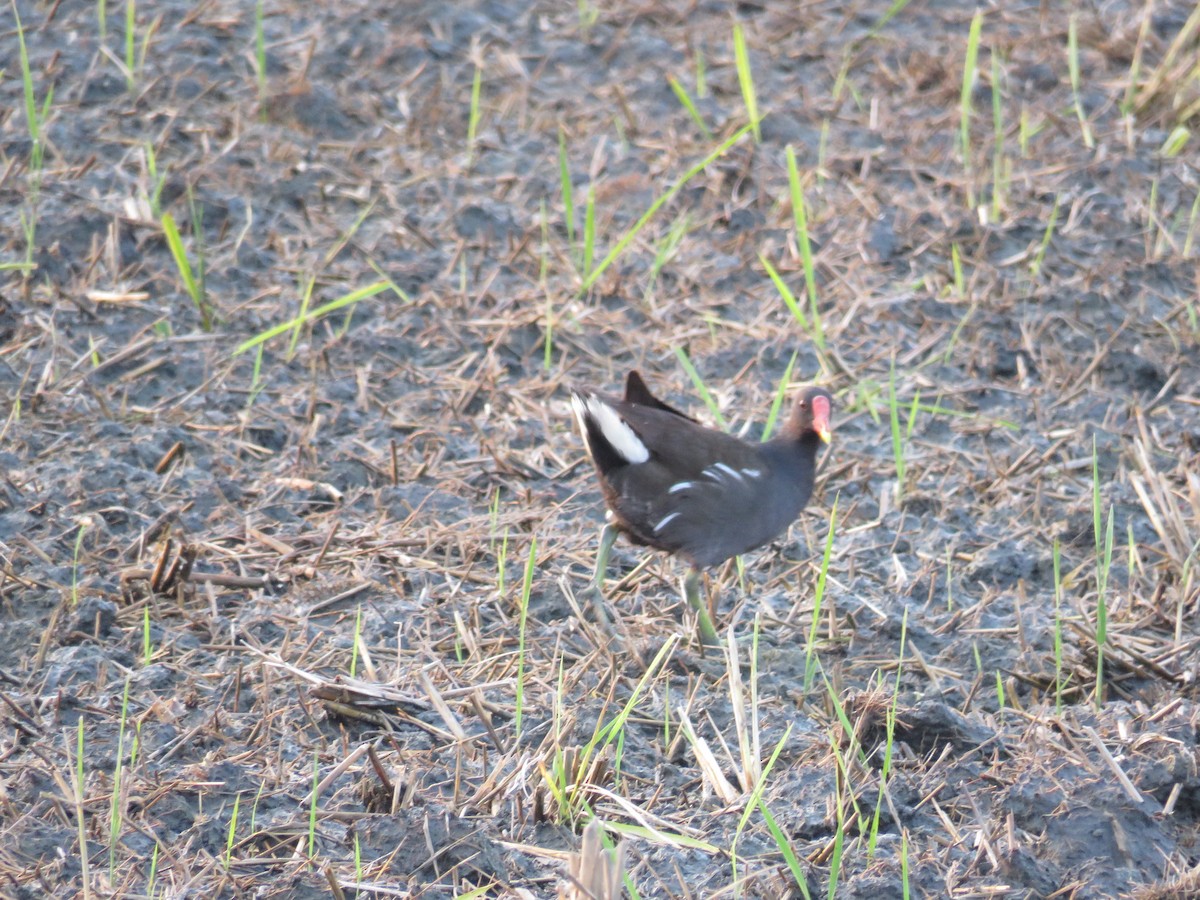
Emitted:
<point x="701" y="494"/>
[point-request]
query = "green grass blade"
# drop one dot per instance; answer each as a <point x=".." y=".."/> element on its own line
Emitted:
<point x="800" y="214"/>
<point x="746" y="80"/>
<point x="968" y="85"/>
<point x="687" y="176"/>
<point x="780" y="394"/>
<point x="179" y="254"/>
<point x="564" y="178"/>
<point x="701" y="387"/>
<point x="785" y="292"/>
<point x="685" y="100"/>
<point x="312" y="315"/>
<point x="1073" y="69"/>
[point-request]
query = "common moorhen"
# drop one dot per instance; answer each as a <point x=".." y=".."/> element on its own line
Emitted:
<point x="700" y="494"/>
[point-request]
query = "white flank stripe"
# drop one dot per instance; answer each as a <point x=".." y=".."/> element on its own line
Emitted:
<point x="752" y="473"/>
<point x="679" y="486"/>
<point x="580" y="410"/>
<point x="579" y="407"/>
<point x="718" y="471"/>
<point x="616" y="431"/>
<point x="666" y="520"/>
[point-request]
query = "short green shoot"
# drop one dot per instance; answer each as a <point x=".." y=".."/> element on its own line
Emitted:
<point x="313" y="315"/>
<point x="589" y="231"/>
<point x="786" y="849"/>
<point x="666" y="738"/>
<point x="701" y="388"/>
<point x="564" y="180"/>
<point x="1128" y="105"/>
<point x="999" y="691"/>
<point x="1073" y="69"/>
<point x="1097" y="515"/>
<point x="665" y="252"/>
<point x="885" y="767"/>
<point x="892" y="11"/>
<point x="502" y="564"/>
<point x="194" y="287"/>
<point x="999" y="164"/>
<point x="494" y="519"/>
<point x="80" y="813"/>
<point x="618" y="756"/>
<point x="1193" y="216"/>
<point x="785" y="292"/>
<point x="810" y="649"/>
<point x="800" y="215"/>
<point x="473" y="116"/>
<point x="957" y="333"/>
<point x="231" y="834"/>
<point x="312" y="808"/>
<point x="701" y="73"/>
<point x="356" y="642"/>
<point x="839" y="837"/>
<point x="780" y="395"/>
<point x="570" y="774"/>
<point x="588" y="14"/>
<point x="84" y="524"/>
<point x="754" y="802"/>
<point x="839" y="86"/>
<point x="157" y="180"/>
<point x="152" y="878"/>
<point x="262" y="786"/>
<point x="35" y="118"/>
<point x="526" y="587"/>
<point x="746" y="80"/>
<point x="685" y="100"/>
<point x="130" y="44"/>
<point x="102" y="20"/>
<point x="970" y="73"/>
<point x="1026" y="132"/>
<point x="1035" y="267"/>
<point x="197" y="214"/>
<point x="900" y="435"/>
<point x="627" y="238"/>
<point x="115" y="807"/>
<point x="1175" y="141"/>
<point x="29" y="231"/>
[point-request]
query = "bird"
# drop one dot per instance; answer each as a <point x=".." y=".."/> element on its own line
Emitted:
<point x="702" y="495"/>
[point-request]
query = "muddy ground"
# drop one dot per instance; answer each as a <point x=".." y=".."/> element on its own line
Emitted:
<point x="228" y="576"/>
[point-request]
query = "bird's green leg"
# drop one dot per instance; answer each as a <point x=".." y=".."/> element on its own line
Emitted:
<point x="608" y="537"/>
<point x="691" y="593"/>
